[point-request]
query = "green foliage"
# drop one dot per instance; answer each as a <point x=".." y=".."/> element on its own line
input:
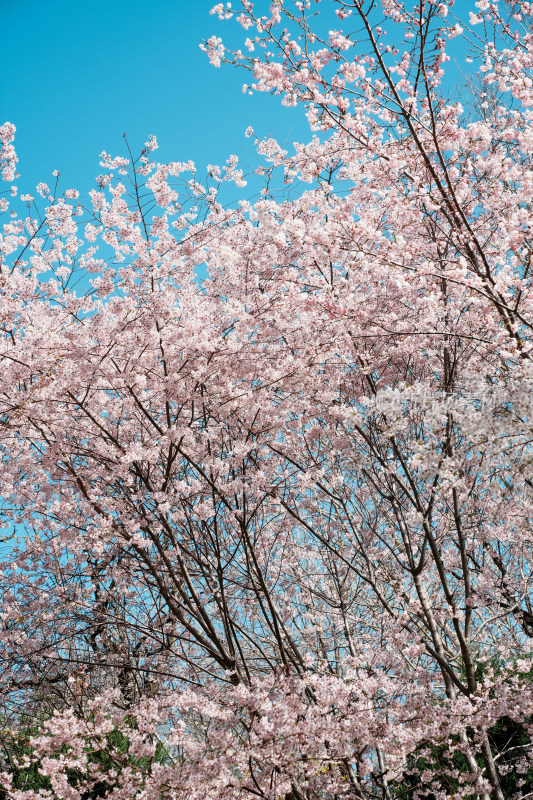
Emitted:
<point x="510" y="744"/>
<point x="14" y="749"/>
<point x="17" y="760"/>
<point x="436" y="768"/>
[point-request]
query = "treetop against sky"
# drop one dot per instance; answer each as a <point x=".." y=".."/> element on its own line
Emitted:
<point x="84" y="74"/>
<point x="272" y="457"/>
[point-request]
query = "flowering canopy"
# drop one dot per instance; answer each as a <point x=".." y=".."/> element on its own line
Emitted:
<point x="273" y="462"/>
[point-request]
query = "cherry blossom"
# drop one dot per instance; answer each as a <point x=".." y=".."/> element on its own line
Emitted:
<point x="266" y="466"/>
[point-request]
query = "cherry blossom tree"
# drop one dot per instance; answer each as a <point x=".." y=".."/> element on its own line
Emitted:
<point x="267" y="467"/>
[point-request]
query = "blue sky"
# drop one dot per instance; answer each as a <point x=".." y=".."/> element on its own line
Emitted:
<point x="80" y="74"/>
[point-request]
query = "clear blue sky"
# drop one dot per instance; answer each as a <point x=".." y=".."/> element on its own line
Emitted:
<point x="76" y="75"/>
